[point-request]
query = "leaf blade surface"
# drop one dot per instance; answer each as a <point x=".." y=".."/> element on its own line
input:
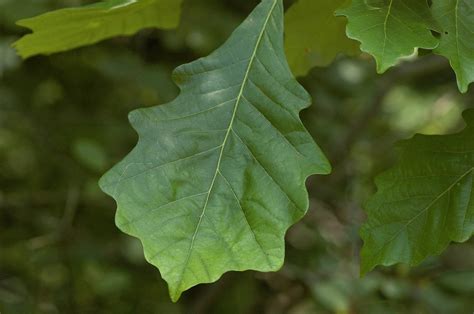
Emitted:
<point x="315" y="36"/>
<point x="70" y="28"/>
<point x="424" y="202"/>
<point x="390" y="29"/>
<point x="218" y="175"/>
<point x="456" y="17"/>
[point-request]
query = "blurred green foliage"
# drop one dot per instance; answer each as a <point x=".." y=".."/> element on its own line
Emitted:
<point x="69" y="28"/>
<point x="63" y="121"/>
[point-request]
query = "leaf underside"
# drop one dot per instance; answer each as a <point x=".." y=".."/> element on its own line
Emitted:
<point x="218" y="175"/>
<point x="424" y="202"/>
<point x="456" y="17"/>
<point x="70" y="28"/>
<point x="390" y="29"/>
<point x="315" y="36"/>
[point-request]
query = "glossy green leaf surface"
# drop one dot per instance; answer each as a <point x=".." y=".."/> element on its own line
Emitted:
<point x="456" y="17"/>
<point x="390" y="29"/>
<point x="315" y="36"/>
<point x="70" y="28"/>
<point x="218" y="175"/>
<point x="424" y="202"/>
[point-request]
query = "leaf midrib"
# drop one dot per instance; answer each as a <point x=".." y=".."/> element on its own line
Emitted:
<point x="385" y="29"/>
<point x="456" y="21"/>
<point x="229" y="129"/>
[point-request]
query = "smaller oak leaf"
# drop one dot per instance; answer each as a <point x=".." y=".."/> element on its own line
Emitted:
<point x="456" y="17"/>
<point x="315" y="36"/>
<point x="390" y="29"/>
<point x="424" y="202"/>
<point x="70" y="28"/>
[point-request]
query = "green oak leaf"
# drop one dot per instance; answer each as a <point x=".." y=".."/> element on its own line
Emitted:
<point x="456" y="17"/>
<point x="315" y="36"/>
<point x="390" y="29"/>
<point x="70" y="28"/>
<point x="424" y="202"/>
<point x="218" y="175"/>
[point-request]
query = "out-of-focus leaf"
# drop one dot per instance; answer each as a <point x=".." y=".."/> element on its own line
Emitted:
<point x="13" y="10"/>
<point x="390" y="29"/>
<point x="199" y="33"/>
<point x="90" y="154"/>
<point x="314" y="35"/>
<point x="459" y="282"/>
<point x="332" y="295"/>
<point x="439" y="301"/>
<point x="424" y="202"/>
<point x="8" y="58"/>
<point x="218" y="174"/>
<point x="70" y="28"/>
<point x="456" y="17"/>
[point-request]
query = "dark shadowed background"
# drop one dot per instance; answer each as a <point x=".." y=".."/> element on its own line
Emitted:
<point x="63" y="123"/>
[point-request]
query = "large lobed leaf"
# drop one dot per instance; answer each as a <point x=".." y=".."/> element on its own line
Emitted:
<point x="66" y="29"/>
<point x="314" y="35"/>
<point x="218" y="175"/>
<point x="456" y="17"/>
<point x="390" y="29"/>
<point x="424" y="202"/>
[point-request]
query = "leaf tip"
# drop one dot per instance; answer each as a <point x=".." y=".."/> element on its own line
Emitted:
<point x="17" y="46"/>
<point x="175" y="294"/>
<point x="365" y="267"/>
<point x="102" y="182"/>
<point x="382" y="67"/>
<point x="463" y="86"/>
<point x="327" y="168"/>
